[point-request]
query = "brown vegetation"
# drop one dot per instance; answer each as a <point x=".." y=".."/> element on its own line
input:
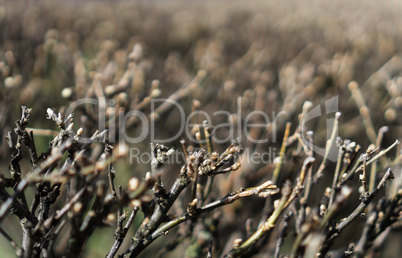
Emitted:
<point x="70" y="185"/>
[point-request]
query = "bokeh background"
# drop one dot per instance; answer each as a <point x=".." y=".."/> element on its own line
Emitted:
<point x="274" y="54"/>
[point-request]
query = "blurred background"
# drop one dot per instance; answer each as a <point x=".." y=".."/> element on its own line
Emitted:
<point x="274" y="55"/>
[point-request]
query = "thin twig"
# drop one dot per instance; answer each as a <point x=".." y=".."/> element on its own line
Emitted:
<point x="263" y="190"/>
<point x="122" y="234"/>
<point x="328" y="146"/>
<point x="287" y="197"/>
<point x="345" y="222"/>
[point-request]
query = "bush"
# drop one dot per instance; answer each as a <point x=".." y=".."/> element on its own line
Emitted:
<point x="200" y="129"/>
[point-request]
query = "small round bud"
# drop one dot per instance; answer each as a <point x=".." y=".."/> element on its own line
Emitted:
<point x="194" y="202"/>
<point x="307" y="105"/>
<point x="196" y="103"/>
<point x="148" y="176"/>
<point x="237" y="242"/>
<point x="111" y="217"/>
<point x="122" y="150"/>
<point x="353" y="86"/>
<point x="136" y="203"/>
<point x="155" y="93"/>
<point x="66" y="93"/>
<point x="228" y="86"/>
<point x="346" y="191"/>
<point x="390" y="115"/>
<point x="133" y="183"/>
<point x="109" y="90"/>
<point x="9" y="82"/>
<point x="70" y="127"/>
<point x="361" y="190"/>
<point x="77" y="207"/>
<point x="155" y="83"/>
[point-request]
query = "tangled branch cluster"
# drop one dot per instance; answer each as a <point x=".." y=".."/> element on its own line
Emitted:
<point x="69" y="186"/>
<point x="79" y="180"/>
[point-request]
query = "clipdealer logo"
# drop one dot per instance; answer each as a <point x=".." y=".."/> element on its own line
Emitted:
<point x="116" y="124"/>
